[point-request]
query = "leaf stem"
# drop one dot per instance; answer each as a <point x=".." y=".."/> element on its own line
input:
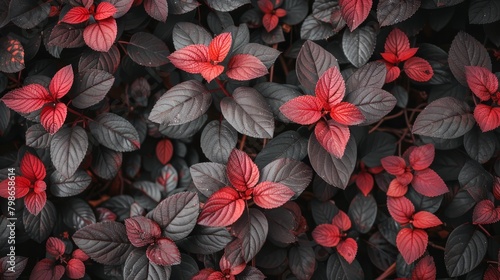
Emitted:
<point x="484" y="230"/>
<point x="79" y="114"/>
<point x="242" y="142"/>
<point x="222" y="87"/>
<point x="436" y="246"/>
<point x="385" y="119"/>
<point x="388" y="272"/>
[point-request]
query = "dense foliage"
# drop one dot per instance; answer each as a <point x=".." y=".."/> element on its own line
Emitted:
<point x="249" y="139"/>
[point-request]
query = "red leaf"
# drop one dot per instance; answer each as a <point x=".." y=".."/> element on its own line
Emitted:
<point x="405" y="178"/>
<point x="142" y="231"/>
<point x="244" y="67"/>
<point x="396" y="188"/>
<point x="424" y="270"/>
<point x="330" y="88"/>
<point x="390" y="59"/>
<point x="355" y="11"/>
<point x="486" y="116"/>
<point x="418" y="69"/>
<point x="348" y="248"/>
<point x="271" y="195"/>
<point x="219" y="47"/>
<point x="27" y="99"/>
<point x="266" y="6"/>
<point x="101" y="35"/>
<point x="35" y="202"/>
<point x="342" y="221"/>
<point x="485" y="213"/>
<point x="76" y="15"/>
<point x="104" y="10"/>
<point x="280" y="12"/>
<point x="333" y="137"/>
<point x="401" y="209"/>
<point x="365" y="182"/>
<point x="492" y="273"/>
<point x="55" y="247"/>
<point x="75" y="269"/>
<point x="496" y="188"/>
<point x="189" y="58"/>
<point x="424" y="219"/>
<point x="32" y="167"/>
<point x="61" y="82"/>
<point x="39" y="186"/>
<point x="22" y="187"/>
<point x="347" y="114"/>
<point x="217" y="275"/>
<point x="209" y="71"/>
<point x="46" y="269"/>
<point x="53" y="116"/>
<point x="242" y="172"/>
<point x="222" y="208"/>
<point x="411" y="243"/>
<point x="270" y="21"/>
<point x="394" y="165"/>
<point x="79" y="254"/>
<point x="163" y="252"/>
<point x="304" y="110"/>
<point x="481" y="81"/>
<point x="326" y="235"/>
<point x="203" y="274"/>
<point x="164" y="151"/>
<point x="398" y="44"/>
<point x="428" y="183"/>
<point x="393" y="73"/>
<point x="422" y="157"/>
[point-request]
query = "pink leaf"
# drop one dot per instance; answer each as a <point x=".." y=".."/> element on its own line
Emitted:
<point x="164" y="151"/>
<point x="53" y="116"/>
<point x="487" y="117"/>
<point x="270" y="21"/>
<point x="330" y="88"/>
<point x="244" y="67"/>
<point x="355" y="11"/>
<point x="394" y="165"/>
<point x="424" y="219"/>
<point x="333" y="137"/>
<point x="46" y="269"/>
<point x="401" y="209"/>
<point x="347" y="114"/>
<point x="104" y="10"/>
<point x="79" y="254"/>
<point x="75" y="269"/>
<point x="242" y="172"/>
<point x="418" y="69"/>
<point x="163" y="252"/>
<point x="411" y="243"/>
<point x="35" y="202"/>
<point x="393" y="73"/>
<point x="303" y="110"/>
<point x="76" y="15"/>
<point x="266" y="6"/>
<point x="396" y="188"/>
<point x="61" y="82"/>
<point x="485" y="213"/>
<point x="142" y="231"/>
<point x="348" y="248"/>
<point x="271" y="195"/>
<point x="203" y="274"/>
<point x="365" y="182"/>
<point x="342" y="221"/>
<point x="326" y="235"/>
<point x="55" y="247"/>
<point x="27" y="99"/>
<point x="189" y="58"/>
<point x="32" y="167"/>
<point x="425" y="269"/>
<point x="222" y="208"/>
<point x="397" y="43"/>
<point x="219" y="47"/>
<point x="481" y="81"/>
<point x="101" y="35"/>
<point x="22" y="187"/>
<point x="209" y="71"/>
<point x="428" y="183"/>
<point x="422" y="157"/>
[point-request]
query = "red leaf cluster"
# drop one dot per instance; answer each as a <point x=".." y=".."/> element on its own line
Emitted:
<point x="412" y="239"/>
<point x="142" y="231"/>
<point x="364" y="178"/>
<point x="207" y="60"/>
<point x="272" y="13"/>
<point x="332" y="133"/>
<point x="30" y="184"/>
<point x="396" y="50"/>
<point x="334" y="235"/>
<point x="225" y="206"/>
<point x="413" y="168"/>
<point x="485" y="212"/>
<point x="33" y="97"/>
<point x="484" y="85"/>
<point x="101" y="33"/>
